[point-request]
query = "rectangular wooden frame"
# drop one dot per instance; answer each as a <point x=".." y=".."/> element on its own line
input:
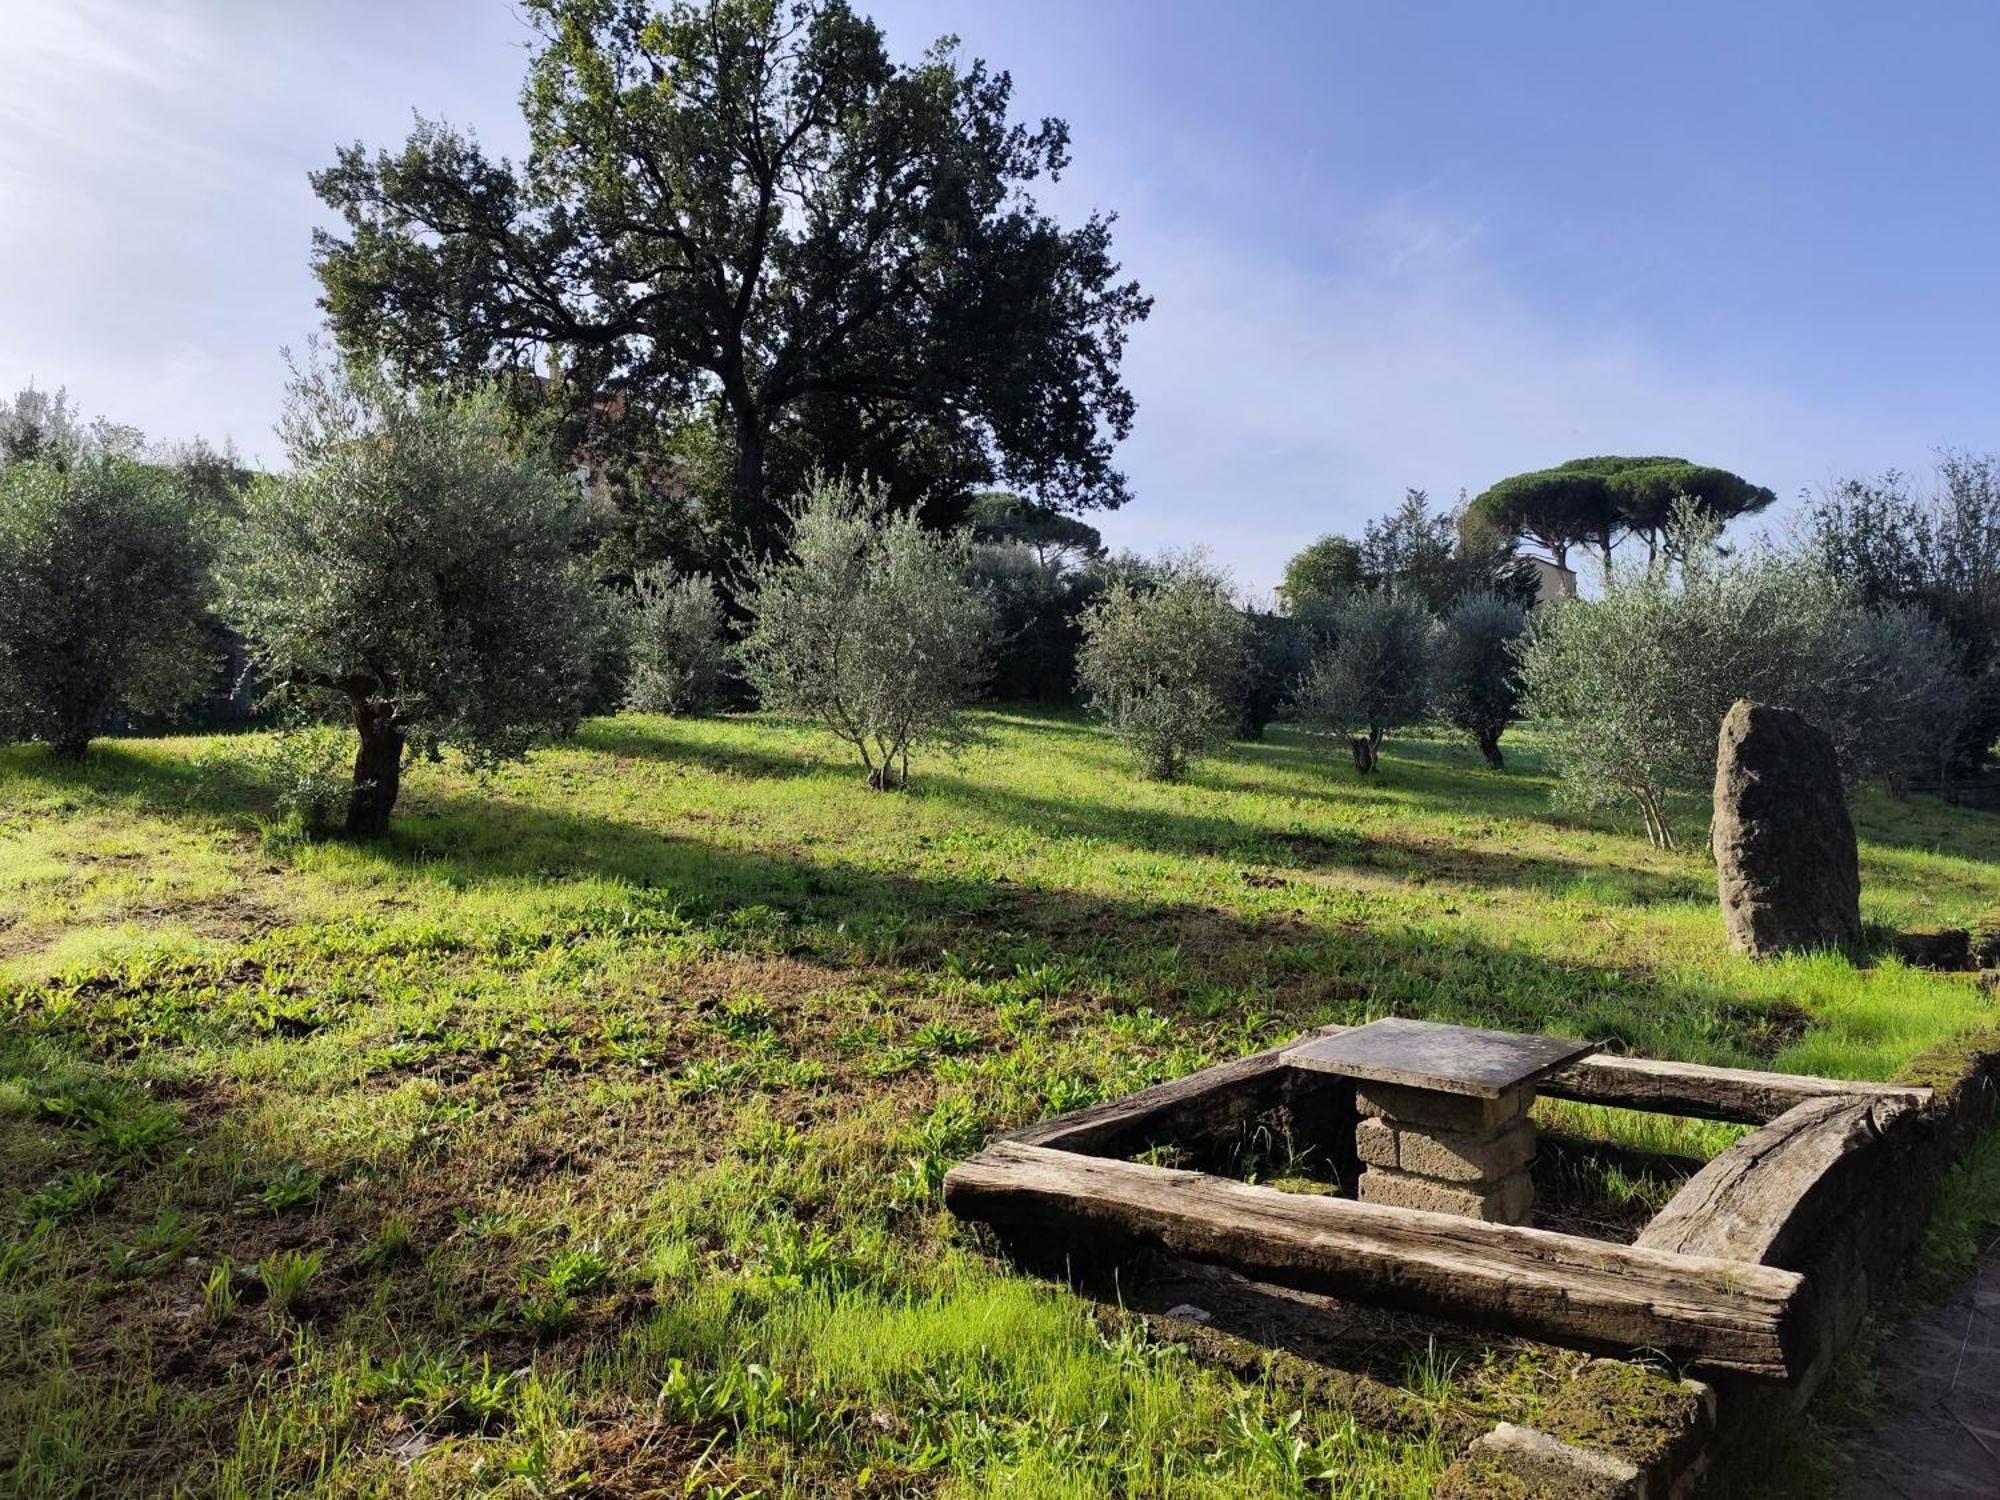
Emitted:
<point x="1723" y="1277"/>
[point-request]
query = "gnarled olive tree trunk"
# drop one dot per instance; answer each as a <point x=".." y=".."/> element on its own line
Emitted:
<point x="378" y="769"/>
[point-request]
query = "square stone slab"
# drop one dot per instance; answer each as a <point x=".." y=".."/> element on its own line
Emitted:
<point x="1440" y="1059"/>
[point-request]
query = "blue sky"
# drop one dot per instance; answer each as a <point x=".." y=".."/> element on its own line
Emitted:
<point x="1408" y="244"/>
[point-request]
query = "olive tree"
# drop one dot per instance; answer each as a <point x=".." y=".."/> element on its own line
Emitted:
<point x="105" y="585"/>
<point x="869" y="625"/>
<point x="1633" y="687"/>
<point x="1163" y="660"/>
<point x="1374" y="676"/>
<point x="677" y="651"/>
<point x="1475" y="679"/>
<point x="417" y="567"/>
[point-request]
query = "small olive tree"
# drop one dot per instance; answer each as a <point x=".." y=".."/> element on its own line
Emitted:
<point x="1475" y="678"/>
<point x="105" y="585"/>
<point x="418" y="567"/>
<point x="1374" y="676"/>
<point x="869" y="625"/>
<point x="678" y="652"/>
<point x="1633" y="687"/>
<point x="1164" y="660"/>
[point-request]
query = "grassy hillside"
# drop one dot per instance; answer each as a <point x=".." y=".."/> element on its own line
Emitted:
<point x="593" y="1124"/>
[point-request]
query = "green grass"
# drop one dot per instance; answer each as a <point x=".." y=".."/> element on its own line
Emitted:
<point x="594" y="1123"/>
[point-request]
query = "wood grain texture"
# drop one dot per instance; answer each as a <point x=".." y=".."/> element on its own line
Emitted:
<point x="1739" y="1094"/>
<point x="1213" y="1102"/>
<point x="1527" y="1281"/>
<point x="1775" y="1194"/>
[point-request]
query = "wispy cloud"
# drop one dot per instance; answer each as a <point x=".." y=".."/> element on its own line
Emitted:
<point x="1279" y="401"/>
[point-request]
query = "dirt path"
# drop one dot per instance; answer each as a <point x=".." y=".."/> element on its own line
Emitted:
<point x="1936" y="1434"/>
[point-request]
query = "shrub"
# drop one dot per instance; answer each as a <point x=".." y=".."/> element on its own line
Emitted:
<point x="1163" y="662"/>
<point x="105" y="581"/>
<point x="869" y="626"/>
<point x="1475" y="679"/>
<point x="417" y="567"/>
<point x="310" y="768"/>
<point x="1633" y="687"/>
<point x="1038" y="608"/>
<point x="1374" y="675"/>
<point x="1280" y="651"/>
<point x="678" y="654"/>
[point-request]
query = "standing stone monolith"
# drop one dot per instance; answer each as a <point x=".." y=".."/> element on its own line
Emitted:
<point x="1785" y="860"/>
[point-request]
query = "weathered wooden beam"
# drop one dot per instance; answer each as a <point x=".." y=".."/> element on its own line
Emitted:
<point x="1526" y="1281"/>
<point x="1739" y="1094"/>
<point x="1771" y="1197"/>
<point x="1216" y="1103"/>
<point x="1201" y="1108"/>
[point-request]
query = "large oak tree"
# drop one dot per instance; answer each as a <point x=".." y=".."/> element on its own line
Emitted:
<point x="742" y="219"/>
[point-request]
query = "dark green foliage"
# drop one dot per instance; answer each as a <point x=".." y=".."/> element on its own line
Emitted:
<point x="1475" y="680"/>
<point x="1553" y="508"/>
<point x="1436" y="557"/>
<point x="1596" y="500"/>
<point x="1439" y="557"/>
<point x="1057" y="541"/>
<point x="1040" y="571"/>
<point x="754" y="247"/>
<point x="1281" y="648"/>
<point x="1644" y="492"/>
<point x="105" y="580"/>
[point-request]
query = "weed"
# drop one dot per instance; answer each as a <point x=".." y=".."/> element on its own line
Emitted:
<point x="713" y="1075"/>
<point x="576" y="1272"/>
<point x="293" y="1186"/>
<point x="218" y="1293"/>
<point x="392" y="1243"/>
<point x="159" y="1246"/>
<point x="287" y="1276"/>
<point x="68" y="1194"/>
<point x="133" y="1132"/>
<point x="744" y="1018"/>
<point x="944" y="1038"/>
<point x="442" y="1392"/>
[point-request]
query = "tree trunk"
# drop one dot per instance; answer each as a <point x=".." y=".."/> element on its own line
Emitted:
<point x="747" y="481"/>
<point x="1489" y="746"/>
<point x="69" y="748"/>
<point x="378" y="770"/>
<point x="1364" y="753"/>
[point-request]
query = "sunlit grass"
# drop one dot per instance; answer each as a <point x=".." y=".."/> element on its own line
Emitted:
<point x="687" y="1002"/>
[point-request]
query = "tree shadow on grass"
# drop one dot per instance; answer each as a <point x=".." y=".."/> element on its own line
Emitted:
<point x="1167" y="953"/>
<point x="657" y="740"/>
<point x="1388" y="853"/>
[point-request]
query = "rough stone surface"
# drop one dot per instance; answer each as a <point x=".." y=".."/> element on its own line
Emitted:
<point x="1464" y="1114"/>
<point x="1504" y="1202"/>
<point x="1513" y="1460"/>
<point x="1439" y="1058"/>
<point x="1786" y="866"/>
<point x="1445" y="1155"/>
